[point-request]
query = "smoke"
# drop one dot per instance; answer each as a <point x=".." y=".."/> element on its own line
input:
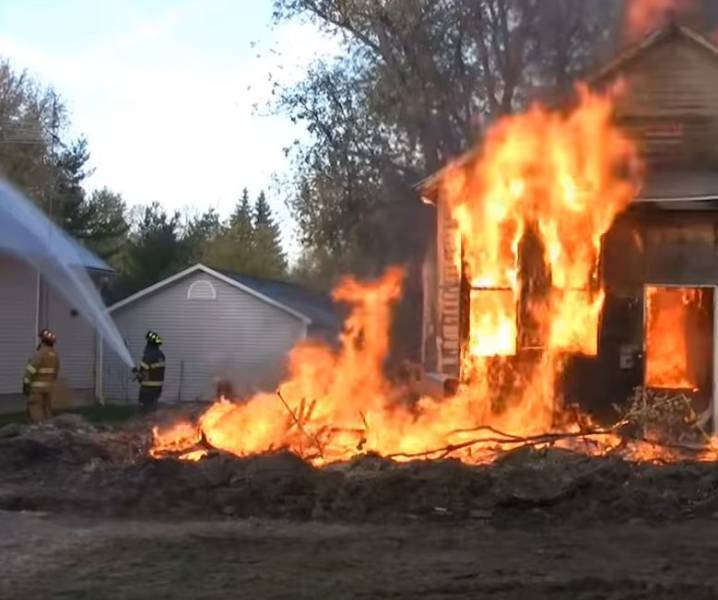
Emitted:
<point x="644" y="16"/>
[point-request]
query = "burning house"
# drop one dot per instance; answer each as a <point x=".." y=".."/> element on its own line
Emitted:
<point x="574" y="260"/>
<point x="577" y="251"/>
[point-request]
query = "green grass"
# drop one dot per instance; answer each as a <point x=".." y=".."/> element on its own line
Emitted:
<point x="106" y="415"/>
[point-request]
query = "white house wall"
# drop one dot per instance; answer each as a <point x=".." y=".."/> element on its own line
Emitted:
<point x="75" y="341"/>
<point x="18" y="294"/>
<point x="235" y="335"/>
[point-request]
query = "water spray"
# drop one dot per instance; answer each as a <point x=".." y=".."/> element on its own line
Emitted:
<point x="27" y="233"/>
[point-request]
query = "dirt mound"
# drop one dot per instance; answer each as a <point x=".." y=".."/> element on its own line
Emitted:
<point x="69" y="465"/>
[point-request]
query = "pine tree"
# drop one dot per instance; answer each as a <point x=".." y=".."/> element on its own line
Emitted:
<point x="240" y="223"/>
<point x="108" y="223"/>
<point x="200" y="231"/>
<point x="251" y="242"/>
<point x="155" y="250"/>
<point x="267" y="240"/>
<point x="262" y="212"/>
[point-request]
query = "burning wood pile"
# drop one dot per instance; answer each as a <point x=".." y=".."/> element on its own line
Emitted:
<point x="531" y="209"/>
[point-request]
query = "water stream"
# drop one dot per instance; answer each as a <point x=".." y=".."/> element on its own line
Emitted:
<point x="27" y="233"/>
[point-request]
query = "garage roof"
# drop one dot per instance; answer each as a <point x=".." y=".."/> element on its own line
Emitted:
<point x="217" y="275"/>
<point x="318" y="307"/>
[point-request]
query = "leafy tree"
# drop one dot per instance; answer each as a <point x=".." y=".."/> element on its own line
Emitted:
<point x="29" y="114"/>
<point x="415" y="85"/>
<point x="319" y="270"/>
<point x="52" y="172"/>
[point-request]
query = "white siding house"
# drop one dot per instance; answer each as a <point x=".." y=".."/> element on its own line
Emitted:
<point x="214" y="325"/>
<point x="18" y="314"/>
<point x="28" y="304"/>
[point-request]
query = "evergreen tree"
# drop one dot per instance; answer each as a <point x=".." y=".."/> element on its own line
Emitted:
<point x="200" y="231"/>
<point x="107" y="223"/>
<point x="155" y="250"/>
<point x="241" y="220"/>
<point x="250" y="243"/>
<point x="262" y="212"/>
<point x="268" y="240"/>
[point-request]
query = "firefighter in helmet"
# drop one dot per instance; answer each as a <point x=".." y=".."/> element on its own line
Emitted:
<point x="40" y="377"/>
<point x="151" y="372"/>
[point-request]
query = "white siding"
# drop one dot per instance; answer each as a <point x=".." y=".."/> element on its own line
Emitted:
<point x="18" y="301"/>
<point x="75" y="342"/>
<point x="235" y="335"/>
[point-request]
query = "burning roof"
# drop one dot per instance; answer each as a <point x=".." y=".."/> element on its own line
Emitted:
<point x="686" y="183"/>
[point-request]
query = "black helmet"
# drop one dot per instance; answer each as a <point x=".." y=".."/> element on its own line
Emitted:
<point x="47" y="337"/>
<point x="153" y="338"/>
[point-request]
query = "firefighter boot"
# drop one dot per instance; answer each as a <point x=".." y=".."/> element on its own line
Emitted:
<point x="35" y="407"/>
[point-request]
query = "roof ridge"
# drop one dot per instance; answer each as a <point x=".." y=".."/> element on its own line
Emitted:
<point x="650" y="40"/>
<point x="218" y="275"/>
<point x="292" y="284"/>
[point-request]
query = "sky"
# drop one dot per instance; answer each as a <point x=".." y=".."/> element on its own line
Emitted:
<point x="170" y="94"/>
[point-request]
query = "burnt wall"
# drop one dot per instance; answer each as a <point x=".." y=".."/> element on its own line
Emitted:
<point x="643" y="247"/>
<point x="668" y="247"/>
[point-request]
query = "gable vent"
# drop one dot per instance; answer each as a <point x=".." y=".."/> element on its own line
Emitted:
<point x="201" y="290"/>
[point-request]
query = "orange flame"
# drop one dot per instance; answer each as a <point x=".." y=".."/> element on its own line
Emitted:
<point x="667" y="356"/>
<point x="318" y="410"/>
<point x="554" y="177"/>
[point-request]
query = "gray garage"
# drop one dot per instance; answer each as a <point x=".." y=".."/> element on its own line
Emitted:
<point x="215" y="325"/>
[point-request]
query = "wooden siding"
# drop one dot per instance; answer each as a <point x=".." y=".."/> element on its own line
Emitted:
<point x="236" y="336"/>
<point x="429" y="316"/>
<point x="670" y="103"/>
<point x="449" y="296"/>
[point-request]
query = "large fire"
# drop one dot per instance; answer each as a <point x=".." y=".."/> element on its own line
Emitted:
<point x="531" y="211"/>
<point x="531" y="208"/>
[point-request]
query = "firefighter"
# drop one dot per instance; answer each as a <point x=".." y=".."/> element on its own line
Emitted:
<point x="40" y="377"/>
<point x="151" y="372"/>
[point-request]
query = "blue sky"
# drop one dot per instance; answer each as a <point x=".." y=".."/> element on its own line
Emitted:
<point x="165" y="91"/>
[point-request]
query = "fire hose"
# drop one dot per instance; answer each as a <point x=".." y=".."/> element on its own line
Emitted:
<point x="138" y="375"/>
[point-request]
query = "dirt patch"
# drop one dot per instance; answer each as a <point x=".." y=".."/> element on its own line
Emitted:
<point x="87" y="558"/>
<point x="540" y="525"/>
<point x="70" y="466"/>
